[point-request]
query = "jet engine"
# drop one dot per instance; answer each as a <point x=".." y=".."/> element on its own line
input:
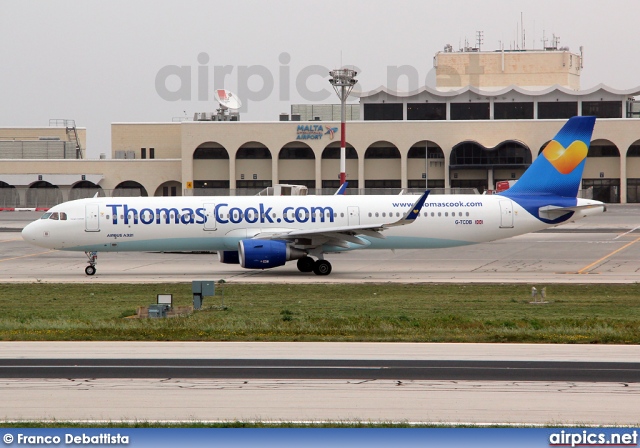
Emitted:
<point x="264" y="254"/>
<point x="228" y="257"/>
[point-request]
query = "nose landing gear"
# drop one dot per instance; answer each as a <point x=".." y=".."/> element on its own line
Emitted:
<point x="93" y="260"/>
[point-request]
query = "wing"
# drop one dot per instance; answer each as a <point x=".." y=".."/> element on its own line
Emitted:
<point x="342" y="236"/>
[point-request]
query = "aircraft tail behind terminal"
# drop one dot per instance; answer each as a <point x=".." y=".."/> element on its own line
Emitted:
<point x="558" y="169"/>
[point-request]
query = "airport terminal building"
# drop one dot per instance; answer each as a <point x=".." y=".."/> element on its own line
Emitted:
<point x="486" y="120"/>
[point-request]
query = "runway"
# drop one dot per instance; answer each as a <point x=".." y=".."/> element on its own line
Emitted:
<point x="534" y="394"/>
<point x="286" y="369"/>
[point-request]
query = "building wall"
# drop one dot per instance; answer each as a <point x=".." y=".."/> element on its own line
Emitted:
<point x="275" y="135"/>
<point x="149" y="173"/>
<point x="31" y="134"/>
<point x="501" y="69"/>
<point x="204" y="169"/>
<point x="165" y="138"/>
<point x="609" y="166"/>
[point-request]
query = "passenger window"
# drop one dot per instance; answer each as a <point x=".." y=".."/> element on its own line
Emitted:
<point x="107" y="217"/>
<point x="439" y="214"/>
<point x="432" y="214"/>
<point x="446" y="213"/>
<point x="369" y="214"/>
<point x="467" y="213"/>
<point x="376" y="214"/>
<point x="384" y="214"/>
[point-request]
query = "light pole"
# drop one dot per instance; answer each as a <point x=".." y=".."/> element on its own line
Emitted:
<point x="343" y="81"/>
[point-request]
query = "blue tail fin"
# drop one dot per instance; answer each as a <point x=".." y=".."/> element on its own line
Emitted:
<point x="558" y="169"/>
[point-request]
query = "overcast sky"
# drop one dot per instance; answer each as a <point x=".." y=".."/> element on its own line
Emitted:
<point x="100" y="62"/>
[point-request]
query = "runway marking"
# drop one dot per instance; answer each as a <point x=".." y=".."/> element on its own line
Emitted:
<point x="626" y="233"/>
<point x="586" y="268"/>
<point x="7" y="241"/>
<point x="25" y="256"/>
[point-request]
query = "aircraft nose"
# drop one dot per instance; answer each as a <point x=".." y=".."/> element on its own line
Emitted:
<point x="28" y="232"/>
<point x="31" y="234"/>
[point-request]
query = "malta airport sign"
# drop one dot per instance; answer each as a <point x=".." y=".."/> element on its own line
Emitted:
<point x="314" y="131"/>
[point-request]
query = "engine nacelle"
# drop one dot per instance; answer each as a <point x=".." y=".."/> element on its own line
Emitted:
<point x="264" y="254"/>
<point x="228" y="257"/>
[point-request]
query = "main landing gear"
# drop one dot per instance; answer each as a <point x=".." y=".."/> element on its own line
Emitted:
<point x="93" y="260"/>
<point x="318" y="267"/>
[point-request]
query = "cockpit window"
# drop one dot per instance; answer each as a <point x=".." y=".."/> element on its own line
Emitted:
<point x="54" y="215"/>
<point x="63" y="216"/>
<point x="46" y="215"/>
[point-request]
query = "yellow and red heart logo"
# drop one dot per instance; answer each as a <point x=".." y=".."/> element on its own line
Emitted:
<point x="565" y="159"/>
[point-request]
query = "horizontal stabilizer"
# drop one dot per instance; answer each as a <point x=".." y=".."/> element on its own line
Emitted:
<point x="552" y="212"/>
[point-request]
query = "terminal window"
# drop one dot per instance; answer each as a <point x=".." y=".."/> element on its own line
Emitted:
<point x="602" y="109"/>
<point x="426" y="111"/>
<point x="513" y="111"/>
<point x="470" y="111"/>
<point x="383" y="111"/>
<point x="557" y="109"/>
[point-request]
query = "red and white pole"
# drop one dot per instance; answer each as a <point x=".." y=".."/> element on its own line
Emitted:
<point x="343" y="81"/>
<point x="343" y="143"/>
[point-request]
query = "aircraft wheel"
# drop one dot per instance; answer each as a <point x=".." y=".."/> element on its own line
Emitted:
<point x="322" y="267"/>
<point x="90" y="270"/>
<point x="306" y="264"/>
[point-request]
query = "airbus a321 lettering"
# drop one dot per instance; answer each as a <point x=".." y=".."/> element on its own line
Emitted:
<point x="262" y="232"/>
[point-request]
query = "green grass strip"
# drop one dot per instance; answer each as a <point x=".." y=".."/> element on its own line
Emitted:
<point x="585" y="314"/>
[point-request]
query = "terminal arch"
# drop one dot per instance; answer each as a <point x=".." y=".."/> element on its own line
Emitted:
<point x="297" y="164"/>
<point x="9" y="197"/>
<point x="43" y="194"/>
<point x="633" y="172"/>
<point x="472" y="165"/>
<point x="602" y="171"/>
<point x="428" y="171"/>
<point x="330" y="163"/>
<point x="253" y="166"/>
<point x="382" y="166"/>
<point x="129" y="188"/>
<point x="169" y="188"/>
<point x="210" y="167"/>
<point x="84" y="189"/>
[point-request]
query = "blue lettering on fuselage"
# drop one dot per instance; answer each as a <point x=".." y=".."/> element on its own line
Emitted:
<point x="235" y="215"/>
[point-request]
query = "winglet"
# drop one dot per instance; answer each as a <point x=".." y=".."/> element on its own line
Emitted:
<point x="342" y="189"/>
<point x="413" y="213"/>
<point x="415" y="210"/>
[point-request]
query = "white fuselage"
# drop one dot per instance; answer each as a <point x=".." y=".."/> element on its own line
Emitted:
<point x="219" y="223"/>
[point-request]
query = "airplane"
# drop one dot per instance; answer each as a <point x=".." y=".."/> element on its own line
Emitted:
<point x="262" y="232"/>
